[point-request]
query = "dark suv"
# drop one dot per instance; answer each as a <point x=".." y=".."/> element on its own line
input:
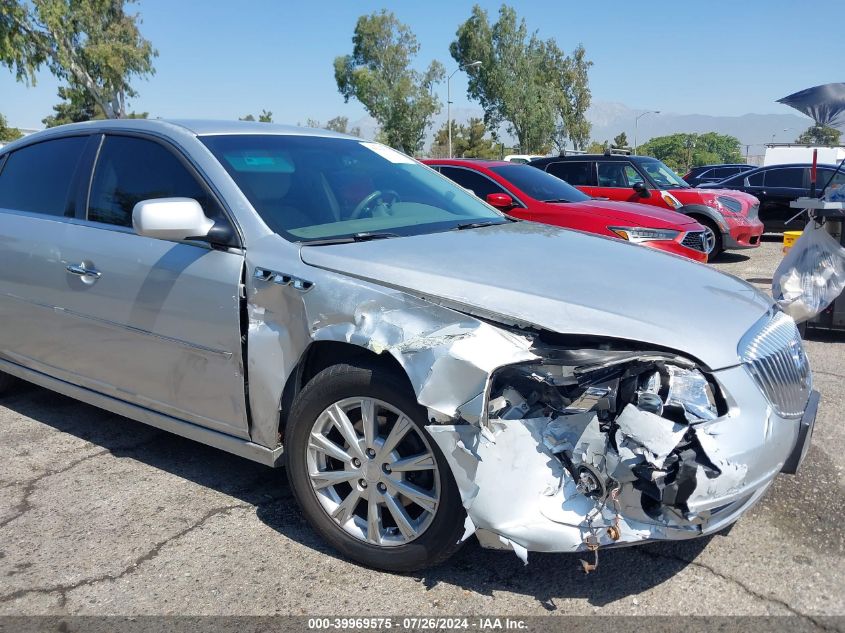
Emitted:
<point x="714" y="173"/>
<point x="776" y="186"/>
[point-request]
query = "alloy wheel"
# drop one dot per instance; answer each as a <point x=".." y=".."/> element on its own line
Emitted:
<point x="373" y="471"/>
<point x="709" y="240"/>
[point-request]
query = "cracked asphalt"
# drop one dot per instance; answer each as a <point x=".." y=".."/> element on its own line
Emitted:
<point x="102" y="515"/>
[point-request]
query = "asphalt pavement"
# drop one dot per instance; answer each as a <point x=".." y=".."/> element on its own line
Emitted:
<point x="103" y="515"/>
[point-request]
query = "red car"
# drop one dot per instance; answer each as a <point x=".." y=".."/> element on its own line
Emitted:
<point x="730" y="217"/>
<point x="526" y="193"/>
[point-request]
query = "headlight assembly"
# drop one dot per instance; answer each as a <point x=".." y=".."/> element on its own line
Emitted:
<point x="638" y="234"/>
<point x="605" y="381"/>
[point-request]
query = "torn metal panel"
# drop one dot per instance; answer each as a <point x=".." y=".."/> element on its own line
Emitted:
<point x="448" y="356"/>
<point x="277" y="336"/>
<point x="579" y="458"/>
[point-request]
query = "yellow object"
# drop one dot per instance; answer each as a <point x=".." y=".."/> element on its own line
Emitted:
<point x="789" y="238"/>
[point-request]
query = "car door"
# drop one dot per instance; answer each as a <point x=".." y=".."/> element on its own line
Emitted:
<point x="37" y="204"/>
<point x="781" y="185"/>
<point x="149" y="321"/>
<point x="616" y="180"/>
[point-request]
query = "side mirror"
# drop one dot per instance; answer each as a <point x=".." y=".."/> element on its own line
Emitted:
<point x="172" y="219"/>
<point x="501" y="201"/>
<point x="746" y="182"/>
<point x="641" y="190"/>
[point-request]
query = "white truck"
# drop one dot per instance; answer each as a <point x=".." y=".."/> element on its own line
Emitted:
<point x="789" y="153"/>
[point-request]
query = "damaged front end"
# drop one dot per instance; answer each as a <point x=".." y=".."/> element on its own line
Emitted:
<point x="601" y="447"/>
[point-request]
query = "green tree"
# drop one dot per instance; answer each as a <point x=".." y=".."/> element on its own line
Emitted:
<point x="598" y="148"/>
<point x="571" y="124"/>
<point x="341" y="124"/>
<point x="620" y="141"/>
<point x="76" y="105"/>
<point x="93" y="45"/>
<point x="529" y="84"/>
<point x="685" y="150"/>
<point x="265" y="117"/>
<point x="468" y="141"/>
<point x="8" y="134"/>
<point x="378" y="73"/>
<point x="820" y="135"/>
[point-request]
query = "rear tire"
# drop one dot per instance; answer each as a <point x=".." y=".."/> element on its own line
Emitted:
<point x="362" y="507"/>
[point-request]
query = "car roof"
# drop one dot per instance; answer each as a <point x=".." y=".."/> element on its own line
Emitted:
<point x="171" y="127"/>
<point x="607" y="157"/>
<point x="779" y="166"/>
<point x="722" y="165"/>
<point x="468" y="162"/>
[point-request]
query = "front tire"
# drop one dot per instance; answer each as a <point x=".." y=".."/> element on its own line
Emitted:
<point x="365" y="472"/>
<point x="712" y="235"/>
<point x="6" y="382"/>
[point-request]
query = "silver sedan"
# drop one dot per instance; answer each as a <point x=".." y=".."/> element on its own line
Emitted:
<point x="426" y="368"/>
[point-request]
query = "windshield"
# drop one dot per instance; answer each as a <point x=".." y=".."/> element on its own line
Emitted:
<point x="539" y="185"/>
<point x="316" y="188"/>
<point x="662" y="175"/>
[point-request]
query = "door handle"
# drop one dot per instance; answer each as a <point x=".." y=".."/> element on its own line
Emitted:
<point x="82" y="271"/>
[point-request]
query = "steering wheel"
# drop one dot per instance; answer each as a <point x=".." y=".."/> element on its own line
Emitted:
<point x="367" y="203"/>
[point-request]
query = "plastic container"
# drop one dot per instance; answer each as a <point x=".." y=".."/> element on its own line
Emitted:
<point x="789" y="238"/>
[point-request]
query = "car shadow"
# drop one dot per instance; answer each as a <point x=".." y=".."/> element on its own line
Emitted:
<point x="622" y="572"/>
<point x="727" y="257"/>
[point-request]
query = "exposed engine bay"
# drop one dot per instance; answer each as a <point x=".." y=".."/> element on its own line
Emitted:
<point x="619" y="443"/>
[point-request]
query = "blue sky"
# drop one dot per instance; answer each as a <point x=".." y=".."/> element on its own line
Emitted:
<point x="224" y="59"/>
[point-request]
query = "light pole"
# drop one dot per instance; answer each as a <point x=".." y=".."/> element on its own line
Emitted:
<point x="449" y="99"/>
<point x="637" y="126"/>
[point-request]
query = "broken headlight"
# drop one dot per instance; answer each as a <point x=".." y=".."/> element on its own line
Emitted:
<point x="604" y="382"/>
<point x="616" y="418"/>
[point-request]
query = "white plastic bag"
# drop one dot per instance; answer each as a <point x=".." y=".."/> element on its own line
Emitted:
<point x="811" y="275"/>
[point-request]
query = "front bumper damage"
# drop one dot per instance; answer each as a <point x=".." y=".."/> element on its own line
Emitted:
<point x="568" y="444"/>
<point x="604" y="454"/>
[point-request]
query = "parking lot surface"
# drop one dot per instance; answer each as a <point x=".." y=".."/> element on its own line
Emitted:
<point x="103" y="515"/>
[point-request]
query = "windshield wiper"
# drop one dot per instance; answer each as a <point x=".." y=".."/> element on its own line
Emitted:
<point x="557" y="200"/>
<point x="348" y="239"/>
<point x="477" y="224"/>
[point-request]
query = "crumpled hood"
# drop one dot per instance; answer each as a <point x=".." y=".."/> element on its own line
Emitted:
<point x="631" y="214"/>
<point x="563" y="281"/>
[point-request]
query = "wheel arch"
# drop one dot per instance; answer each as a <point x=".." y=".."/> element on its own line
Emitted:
<point x="320" y="355"/>
<point x="697" y="211"/>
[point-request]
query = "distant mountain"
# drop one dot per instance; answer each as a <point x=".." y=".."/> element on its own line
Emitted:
<point x="610" y="118"/>
<point x="754" y="130"/>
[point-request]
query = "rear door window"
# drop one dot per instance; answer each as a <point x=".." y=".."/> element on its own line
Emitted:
<point x="39" y="178"/>
<point x="576" y="173"/>
<point x="788" y="177"/>
<point x="754" y="180"/>
<point x="132" y="169"/>
<point x="611" y="174"/>
<point x="478" y="184"/>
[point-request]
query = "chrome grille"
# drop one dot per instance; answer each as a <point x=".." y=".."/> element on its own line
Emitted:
<point x="694" y="240"/>
<point x="772" y="352"/>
